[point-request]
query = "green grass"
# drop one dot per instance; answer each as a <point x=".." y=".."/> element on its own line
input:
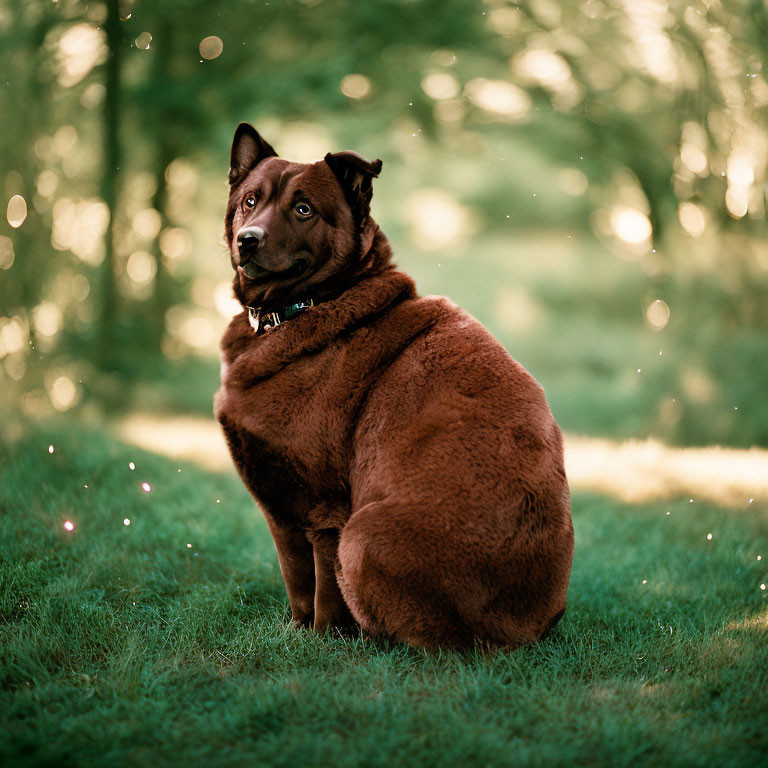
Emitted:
<point x="122" y="646"/>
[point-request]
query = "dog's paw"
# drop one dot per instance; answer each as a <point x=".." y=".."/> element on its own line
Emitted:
<point x="303" y="618"/>
<point x="338" y="623"/>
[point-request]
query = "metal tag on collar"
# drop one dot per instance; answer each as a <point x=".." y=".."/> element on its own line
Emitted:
<point x="253" y="318"/>
<point x="299" y="306"/>
<point x="271" y="320"/>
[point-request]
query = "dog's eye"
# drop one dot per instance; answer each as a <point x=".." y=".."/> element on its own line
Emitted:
<point x="303" y="209"/>
<point x="250" y="201"/>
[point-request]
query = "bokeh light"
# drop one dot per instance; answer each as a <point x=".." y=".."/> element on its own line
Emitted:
<point x="79" y="227"/>
<point x="16" y="212"/>
<point x="631" y="226"/>
<point x="175" y="243"/>
<point x="81" y="47"/>
<point x="47" y="318"/>
<point x="141" y="267"/>
<point x="693" y="218"/>
<point x="572" y="181"/>
<point x="7" y="254"/>
<point x="355" y="86"/>
<point x="657" y="314"/>
<point x="64" y="393"/>
<point x="440" y="86"/>
<point x="437" y="219"/>
<point x="499" y="98"/>
<point x="147" y="223"/>
<point x="225" y="302"/>
<point x="211" y="47"/>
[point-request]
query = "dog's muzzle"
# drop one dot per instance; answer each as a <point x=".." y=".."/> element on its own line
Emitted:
<point x="248" y="239"/>
<point x="248" y="242"/>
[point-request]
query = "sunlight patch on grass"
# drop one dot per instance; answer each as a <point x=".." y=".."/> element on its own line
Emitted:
<point x="758" y="621"/>
<point x="639" y="471"/>
<point x="633" y="471"/>
<point x="187" y="438"/>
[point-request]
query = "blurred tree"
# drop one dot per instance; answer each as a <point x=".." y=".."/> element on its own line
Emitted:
<point x="658" y="110"/>
<point x="27" y="81"/>
<point x="110" y="190"/>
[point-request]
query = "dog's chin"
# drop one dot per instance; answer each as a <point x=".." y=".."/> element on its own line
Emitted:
<point x="250" y="272"/>
<point x="260" y="285"/>
<point x="254" y="273"/>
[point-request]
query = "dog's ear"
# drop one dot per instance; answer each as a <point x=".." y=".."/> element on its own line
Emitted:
<point x="248" y="150"/>
<point x="356" y="175"/>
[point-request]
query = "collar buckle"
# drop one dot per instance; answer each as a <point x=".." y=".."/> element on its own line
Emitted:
<point x="271" y="320"/>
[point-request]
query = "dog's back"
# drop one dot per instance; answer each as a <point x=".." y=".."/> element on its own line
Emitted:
<point x="459" y="496"/>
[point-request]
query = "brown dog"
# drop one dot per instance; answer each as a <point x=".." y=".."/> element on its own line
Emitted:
<point x="410" y="470"/>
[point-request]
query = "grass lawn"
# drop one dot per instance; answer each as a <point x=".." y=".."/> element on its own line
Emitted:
<point x="123" y="645"/>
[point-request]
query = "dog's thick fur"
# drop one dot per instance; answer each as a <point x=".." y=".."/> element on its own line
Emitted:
<point x="410" y="470"/>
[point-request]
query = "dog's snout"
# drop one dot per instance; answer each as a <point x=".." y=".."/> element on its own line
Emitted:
<point x="248" y="239"/>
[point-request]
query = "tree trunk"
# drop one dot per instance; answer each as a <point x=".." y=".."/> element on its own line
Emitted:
<point x="107" y="318"/>
<point x="164" y="154"/>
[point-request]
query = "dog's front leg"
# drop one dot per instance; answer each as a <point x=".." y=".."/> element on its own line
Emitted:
<point x="330" y="608"/>
<point x="294" y="553"/>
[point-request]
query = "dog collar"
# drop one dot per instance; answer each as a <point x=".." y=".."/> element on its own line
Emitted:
<point x="270" y="320"/>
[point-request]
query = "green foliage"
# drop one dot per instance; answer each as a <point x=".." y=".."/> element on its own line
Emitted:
<point x="122" y="646"/>
<point x="534" y="118"/>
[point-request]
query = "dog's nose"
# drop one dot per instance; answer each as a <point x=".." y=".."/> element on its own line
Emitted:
<point x="248" y="239"/>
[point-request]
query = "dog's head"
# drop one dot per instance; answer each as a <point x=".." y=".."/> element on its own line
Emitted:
<point x="293" y="228"/>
